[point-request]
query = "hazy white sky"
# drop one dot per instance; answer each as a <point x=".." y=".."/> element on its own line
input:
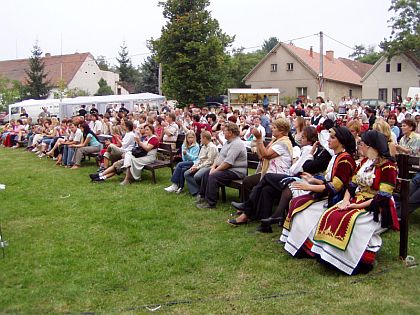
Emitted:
<point x="100" y="26"/>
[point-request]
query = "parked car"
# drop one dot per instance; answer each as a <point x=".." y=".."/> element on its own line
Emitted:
<point x="217" y="105"/>
<point x="4" y="117"/>
<point x="374" y="103"/>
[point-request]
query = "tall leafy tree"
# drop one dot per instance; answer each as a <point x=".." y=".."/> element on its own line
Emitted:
<point x="191" y="49"/>
<point x="103" y="63"/>
<point x="104" y="88"/>
<point x="358" y="51"/>
<point x="366" y="55"/>
<point x="240" y="63"/>
<point x="149" y="75"/>
<point x="269" y="44"/>
<point x="10" y="92"/>
<point x="405" y="34"/>
<point x="371" y="56"/>
<point x="37" y="85"/>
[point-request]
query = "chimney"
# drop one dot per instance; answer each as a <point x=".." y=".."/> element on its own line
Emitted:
<point x="311" y="52"/>
<point x="330" y="54"/>
<point x="47" y="55"/>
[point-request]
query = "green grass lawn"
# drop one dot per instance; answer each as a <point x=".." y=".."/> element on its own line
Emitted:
<point x="77" y="247"/>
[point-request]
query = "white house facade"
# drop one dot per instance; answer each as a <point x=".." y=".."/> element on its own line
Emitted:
<point x="387" y="79"/>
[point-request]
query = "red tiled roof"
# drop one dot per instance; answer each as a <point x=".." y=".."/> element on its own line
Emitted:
<point x="334" y="69"/>
<point x="129" y="87"/>
<point x="15" y="69"/>
<point x="360" y="68"/>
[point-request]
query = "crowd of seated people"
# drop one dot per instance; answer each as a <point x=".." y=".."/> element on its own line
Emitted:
<point x="329" y="177"/>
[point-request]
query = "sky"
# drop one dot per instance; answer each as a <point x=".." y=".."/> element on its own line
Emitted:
<point x="100" y="27"/>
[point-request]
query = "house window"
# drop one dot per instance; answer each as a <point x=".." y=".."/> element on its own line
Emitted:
<point x="350" y="93"/>
<point x="118" y="91"/>
<point x="398" y="67"/>
<point x="387" y="67"/>
<point x="383" y="94"/>
<point x="395" y="92"/>
<point x="274" y="67"/>
<point x="290" y="67"/>
<point x="301" y="91"/>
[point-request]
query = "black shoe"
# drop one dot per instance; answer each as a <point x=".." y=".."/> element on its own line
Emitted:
<point x="98" y="180"/>
<point x="237" y="213"/>
<point x="238" y="205"/>
<point x="205" y="205"/>
<point x="265" y="229"/>
<point x="270" y="220"/>
<point x="236" y="223"/>
<point x="93" y="176"/>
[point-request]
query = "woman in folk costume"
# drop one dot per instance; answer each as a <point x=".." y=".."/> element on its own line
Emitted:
<point x="348" y="234"/>
<point x="276" y="158"/>
<point x="305" y="210"/>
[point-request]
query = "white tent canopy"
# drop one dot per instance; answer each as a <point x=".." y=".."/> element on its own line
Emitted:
<point x="34" y="107"/>
<point x="70" y="107"/>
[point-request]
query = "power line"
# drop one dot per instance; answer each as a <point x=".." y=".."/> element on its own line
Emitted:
<point x="352" y="48"/>
<point x="280" y="41"/>
<point x="231" y="50"/>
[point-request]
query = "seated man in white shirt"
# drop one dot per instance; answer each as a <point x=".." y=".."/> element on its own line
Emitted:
<point x="96" y="124"/>
<point x="250" y="141"/>
<point x="114" y="152"/>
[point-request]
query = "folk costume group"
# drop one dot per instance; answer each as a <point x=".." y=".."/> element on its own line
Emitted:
<point x="336" y="216"/>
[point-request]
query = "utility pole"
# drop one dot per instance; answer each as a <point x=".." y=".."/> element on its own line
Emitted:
<point x="160" y="79"/>
<point x="61" y="87"/>
<point x="321" y="62"/>
<point x="61" y="55"/>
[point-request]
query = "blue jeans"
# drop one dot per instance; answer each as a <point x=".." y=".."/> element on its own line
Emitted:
<point x="194" y="180"/>
<point x="178" y="175"/>
<point x="48" y="141"/>
<point x="67" y="155"/>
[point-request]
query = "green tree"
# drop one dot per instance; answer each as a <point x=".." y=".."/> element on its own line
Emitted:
<point x="191" y="49"/>
<point x="366" y="55"/>
<point x="405" y="34"/>
<point x="240" y="63"/>
<point x="75" y="92"/>
<point x="103" y="63"/>
<point x="104" y="88"/>
<point x="371" y="56"/>
<point x="37" y="84"/>
<point x="10" y="92"/>
<point x="125" y="68"/>
<point x="358" y="51"/>
<point x="269" y="44"/>
<point x="149" y="75"/>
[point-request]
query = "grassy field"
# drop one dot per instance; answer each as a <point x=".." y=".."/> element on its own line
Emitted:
<point x="77" y="247"/>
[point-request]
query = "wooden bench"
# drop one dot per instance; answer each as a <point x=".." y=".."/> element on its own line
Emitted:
<point x="253" y="161"/>
<point x="408" y="166"/>
<point x="165" y="150"/>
